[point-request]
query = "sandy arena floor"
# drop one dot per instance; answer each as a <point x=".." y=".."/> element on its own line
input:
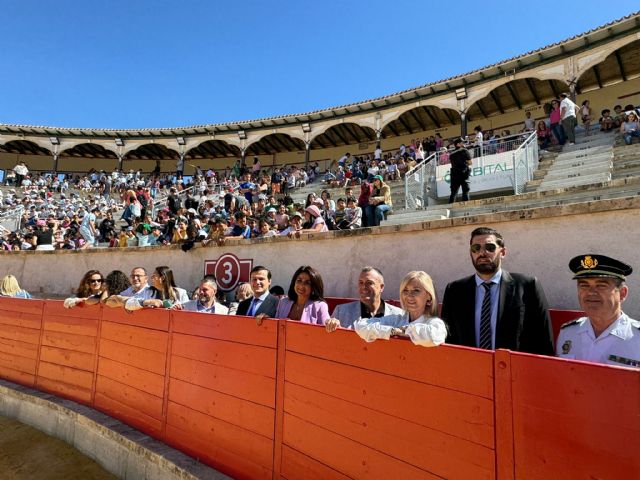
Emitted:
<point x="28" y="454"/>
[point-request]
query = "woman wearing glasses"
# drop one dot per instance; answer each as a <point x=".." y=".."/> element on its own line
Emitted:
<point x="418" y="322"/>
<point x="92" y="284"/>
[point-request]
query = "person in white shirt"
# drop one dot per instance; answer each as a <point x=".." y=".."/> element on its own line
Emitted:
<point x="139" y="289"/>
<point x="418" y="322"/>
<point x="606" y="334"/>
<point x="477" y="149"/>
<point x="568" y="111"/>
<point x="206" y="301"/>
<point x="377" y="154"/>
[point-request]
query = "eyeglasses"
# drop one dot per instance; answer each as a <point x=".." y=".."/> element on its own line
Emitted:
<point x="488" y="247"/>
<point x="138" y="276"/>
<point x="95" y="280"/>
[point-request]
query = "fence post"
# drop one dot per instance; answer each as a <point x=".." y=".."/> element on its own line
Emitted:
<point x="406" y="191"/>
<point x="515" y="173"/>
<point x="503" y="416"/>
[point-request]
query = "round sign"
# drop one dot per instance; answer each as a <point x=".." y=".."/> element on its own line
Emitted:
<point x="227" y="272"/>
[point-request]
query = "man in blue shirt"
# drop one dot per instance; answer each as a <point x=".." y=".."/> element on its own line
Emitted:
<point x="247" y="187"/>
<point x="240" y="228"/>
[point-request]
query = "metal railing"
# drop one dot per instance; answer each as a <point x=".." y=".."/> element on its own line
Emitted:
<point x="525" y="162"/>
<point x="419" y="182"/>
<point x="10" y="219"/>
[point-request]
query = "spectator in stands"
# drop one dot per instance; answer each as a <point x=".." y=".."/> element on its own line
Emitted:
<point x="370" y="305"/>
<point x="44" y="232"/>
<point x="568" y="112"/>
<point x="607" y="122"/>
<point x="544" y="135"/>
<point x="460" y="172"/>
<point x="366" y="190"/>
<point x="206" y="301"/>
<point x="478" y="142"/>
<point x="295" y="226"/>
<point x="555" y="121"/>
<point x="606" y="334"/>
<point x="379" y="203"/>
<point x="313" y="217"/>
<point x="261" y="301"/>
<point x="92" y="284"/>
<point x="240" y="228"/>
<point x="419" y="320"/>
<point x="164" y="292"/>
<point x="137" y="288"/>
<point x="242" y="293"/>
<point x="529" y="123"/>
<point x="21" y="171"/>
<point x="304" y="300"/>
<point x="9" y="287"/>
<point x="494" y="308"/>
<point x="88" y="227"/>
<point x="620" y="116"/>
<point x="115" y="282"/>
<point x="630" y="127"/>
<point x="585" y="115"/>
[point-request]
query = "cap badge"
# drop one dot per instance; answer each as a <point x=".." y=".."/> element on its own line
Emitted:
<point x="566" y="347"/>
<point x="589" y="263"/>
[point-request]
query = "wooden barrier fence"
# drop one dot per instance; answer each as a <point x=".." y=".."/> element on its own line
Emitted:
<point x="289" y="401"/>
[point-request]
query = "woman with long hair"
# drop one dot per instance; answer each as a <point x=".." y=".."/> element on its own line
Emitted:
<point x="304" y="300"/>
<point x="9" y="287"/>
<point x="419" y="321"/>
<point x="165" y="293"/>
<point x="115" y="282"/>
<point x="92" y="284"/>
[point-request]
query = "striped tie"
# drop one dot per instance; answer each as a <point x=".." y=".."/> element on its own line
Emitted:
<point x="485" y="318"/>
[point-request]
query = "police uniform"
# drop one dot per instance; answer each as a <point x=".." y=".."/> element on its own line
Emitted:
<point x="619" y="344"/>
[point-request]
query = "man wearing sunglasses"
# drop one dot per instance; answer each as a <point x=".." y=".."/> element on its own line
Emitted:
<point x="494" y="308"/>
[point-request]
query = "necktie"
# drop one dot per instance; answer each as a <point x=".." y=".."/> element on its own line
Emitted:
<point x="252" y="308"/>
<point x="485" y="318"/>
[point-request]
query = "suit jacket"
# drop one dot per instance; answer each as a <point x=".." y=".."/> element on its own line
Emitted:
<point x="523" y="323"/>
<point x="268" y="306"/>
<point x="348" y="313"/>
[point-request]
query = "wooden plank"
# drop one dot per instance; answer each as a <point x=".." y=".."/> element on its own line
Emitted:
<point x="255" y="388"/>
<point x="248" y="415"/>
<point x="70" y="376"/>
<point x="345" y="455"/>
<point x="26" y="335"/>
<point x="17" y="376"/>
<point x="574" y="419"/>
<point x="152" y="318"/>
<point x="129" y="415"/>
<point x="73" y="392"/>
<point x="77" y="326"/>
<point x="28" y="306"/>
<point x="505" y="461"/>
<point x="459" y="414"/>
<point x="230" y="463"/>
<point x="459" y="368"/>
<point x="15" y="347"/>
<point x="222" y="434"/>
<point x="130" y="397"/>
<point x="144" y="380"/>
<point x="69" y="341"/>
<point x="53" y="308"/>
<point x="16" y="362"/>
<point x="279" y="410"/>
<point x="134" y="356"/>
<point x="226" y="327"/>
<point x="248" y="358"/>
<point x="139" y="337"/>
<point x="430" y="450"/>
<point x="20" y="319"/>
<point x="68" y="358"/>
<point x="297" y="465"/>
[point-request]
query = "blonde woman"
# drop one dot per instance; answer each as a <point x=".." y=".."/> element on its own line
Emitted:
<point x="9" y="287"/>
<point x="419" y="321"/>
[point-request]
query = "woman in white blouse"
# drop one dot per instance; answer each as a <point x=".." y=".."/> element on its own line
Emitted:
<point x="419" y="322"/>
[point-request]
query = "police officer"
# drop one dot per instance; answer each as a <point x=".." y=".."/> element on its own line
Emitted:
<point x="460" y="171"/>
<point x="606" y="334"/>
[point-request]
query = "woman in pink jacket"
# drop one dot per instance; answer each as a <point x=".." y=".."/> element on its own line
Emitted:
<point x="304" y="301"/>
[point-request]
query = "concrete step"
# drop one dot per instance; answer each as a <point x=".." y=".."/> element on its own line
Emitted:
<point x="577" y="180"/>
<point x="581" y="154"/>
<point x="572" y="172"/>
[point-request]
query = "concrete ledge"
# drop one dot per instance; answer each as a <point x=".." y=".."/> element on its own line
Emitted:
<point x="118" y="448"/>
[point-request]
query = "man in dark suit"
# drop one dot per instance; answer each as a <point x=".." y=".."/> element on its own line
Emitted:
<point x="262" y="301"/>
<point x="494" y="308"/>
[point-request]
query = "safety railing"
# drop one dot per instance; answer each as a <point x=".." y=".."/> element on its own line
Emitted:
<point x="10" y="219"/>
<point x="418" y="183"/>
<point x="525" y="162"/>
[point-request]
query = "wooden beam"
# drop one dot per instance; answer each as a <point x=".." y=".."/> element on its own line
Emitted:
<point x="619" y="60"/>
<point x="529" y="83"/>
<point x="448" y="115"/>
<point x="556" y="94"/>
<point x="419" y="122"/>
<point x="596" y="73"/>
<point x="514" y="96"/>
<point x="405" y="125"/>
<point x="481" y="109"/>
<point x="335" y="131"/>
<point x="496" y="100"/>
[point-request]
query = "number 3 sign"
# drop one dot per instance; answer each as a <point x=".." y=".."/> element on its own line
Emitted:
<point x="229" y="270"/>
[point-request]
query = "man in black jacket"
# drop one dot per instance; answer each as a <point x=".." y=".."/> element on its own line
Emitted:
<point x="262" y="301"/>
<point x="460" y="171"/>
<point x="494" y="308"/>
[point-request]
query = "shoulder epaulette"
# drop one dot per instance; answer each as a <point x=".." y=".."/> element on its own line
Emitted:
<point x="568" y="324"/>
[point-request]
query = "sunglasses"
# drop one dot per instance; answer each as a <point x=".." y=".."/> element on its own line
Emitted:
<point x="488" y="247"/>
<point x="95" y="280"/>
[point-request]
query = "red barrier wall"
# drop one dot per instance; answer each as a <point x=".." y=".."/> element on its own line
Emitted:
<point x="287" y="400"/>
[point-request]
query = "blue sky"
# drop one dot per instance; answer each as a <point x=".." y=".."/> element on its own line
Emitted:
<point x="150" y="64"/>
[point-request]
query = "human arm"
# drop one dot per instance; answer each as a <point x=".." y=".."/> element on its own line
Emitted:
<point x="371" y="329"/>
<point x="429" y="332"/>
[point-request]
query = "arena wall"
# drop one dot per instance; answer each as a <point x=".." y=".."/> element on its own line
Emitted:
<point x="540" y="242"/>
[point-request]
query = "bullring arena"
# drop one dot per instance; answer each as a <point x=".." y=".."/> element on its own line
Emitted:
<point x="164" y="393"/>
